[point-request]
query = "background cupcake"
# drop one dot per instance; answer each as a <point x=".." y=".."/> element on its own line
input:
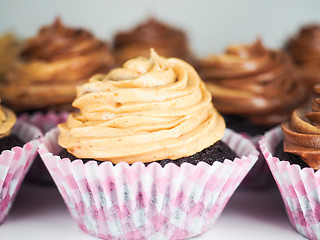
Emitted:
<point x="254" y="87"/>
<point x="305" y="52"/>
<point x="155" y="165"/>
<point x="292" y="154"/>
<point x="17" y="152"/>
<point x="166" y="40"/>
<point x="51" y="65"/>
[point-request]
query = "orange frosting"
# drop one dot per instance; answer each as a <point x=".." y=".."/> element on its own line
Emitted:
<point x="7" y="121"/>
<point x="148" y="110"/>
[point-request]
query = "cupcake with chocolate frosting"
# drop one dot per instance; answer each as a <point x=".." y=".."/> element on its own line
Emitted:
<point x="254" y="87"/>
<point x="305" y="52"/>
<point x="166" y="40"/>
<point x="51" y="65"/>
<point x="17" y="152"/>
<point x="143" y="127"/>
<point x="293" y="155"/>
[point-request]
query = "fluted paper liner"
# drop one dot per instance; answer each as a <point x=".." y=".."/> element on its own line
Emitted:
<point x="45" y="121"/>
<point x="299" y="188"/>
<point x="139" y="202"/>
<point x="15" y="163"/>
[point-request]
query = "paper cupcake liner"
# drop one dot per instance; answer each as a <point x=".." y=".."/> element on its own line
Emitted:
<point x="15" y="163"/>
<point x="139" y="202"/>
<point x="299" y="188"/>
<point x="38" y="172"/>
<point x="259" y="177"/>
<point x="45" y="121"/>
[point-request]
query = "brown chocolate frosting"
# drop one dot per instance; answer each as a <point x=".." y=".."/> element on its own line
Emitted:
<point x="254" y="82"/>
<point x="166" y="40"/>
<point x="51" y="65"/>
<point x="302" y="133"/>
<point x="304" y="48"/>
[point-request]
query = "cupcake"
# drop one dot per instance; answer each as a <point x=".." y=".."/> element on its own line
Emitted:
<point x="292" y="153"/>
<point x="147" y="156"/>
<point x="9" y="51"/>
<point x="166" y="40"/>
<point x="17" y="152"/>
<point x="304" y="50"/>
<point x="252" y="86"/>
<point x="51" y="65"/>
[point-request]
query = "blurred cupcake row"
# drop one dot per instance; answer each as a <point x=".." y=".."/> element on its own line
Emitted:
<point x="136" y="139"/>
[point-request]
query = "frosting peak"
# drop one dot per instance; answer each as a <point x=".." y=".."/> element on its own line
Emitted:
<point x="301" y="134"/>
<point x="7" y="121"/>
<point x="253" y="81"/>
<point x="148" y="110"/>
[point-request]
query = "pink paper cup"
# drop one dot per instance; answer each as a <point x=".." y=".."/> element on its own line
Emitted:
<point x="259" y="178"/>
<point x="15" y="163"/>
<point x="38" y="173"/>
<point x="147" y="202"/>
<point x="299" y="188"/>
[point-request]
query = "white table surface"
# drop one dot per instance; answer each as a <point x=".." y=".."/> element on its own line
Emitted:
<point x="40" y="213"/>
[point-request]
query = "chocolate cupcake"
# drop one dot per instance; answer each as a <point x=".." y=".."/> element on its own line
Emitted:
<point x="304" y="49"/>
<point x="166" y="40"/>
<point x="51" y="65"/>
<point x="17" y="152"/>
<point x="254" y="87"/>
<point x="300" y="144"/>
<point x="133" y="124"/>
<point x="9" y="51"/>
<point x="293" y="155"/>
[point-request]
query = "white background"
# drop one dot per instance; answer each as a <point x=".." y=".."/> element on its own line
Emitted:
<point x="39" y="212"/>
<point x="211" y="24"/>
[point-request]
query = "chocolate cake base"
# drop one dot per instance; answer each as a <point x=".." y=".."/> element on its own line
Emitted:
<point x="8" y="142"/>
<point x="216" y="152"/>
<point x="291" y="158"/>
<point x="240" y="124"/>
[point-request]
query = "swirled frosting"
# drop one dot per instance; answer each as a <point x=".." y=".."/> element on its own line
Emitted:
<point x="166" y="40"/>
<point x="304" y="48"/>
<point x="58" y="57"/>
<point x="7" y="121"/>
<point x="253" y="81"/>
<point x="148" y="110"/>
<point x="302" y="133"/>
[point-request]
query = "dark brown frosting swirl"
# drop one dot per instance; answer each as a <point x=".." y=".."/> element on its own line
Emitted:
<point x="51" y="65"/>
<point x="302" y="133"/>
<point x="254" y="82"/>
<point x="166" y="40"/>
<point x="304" y="48"/>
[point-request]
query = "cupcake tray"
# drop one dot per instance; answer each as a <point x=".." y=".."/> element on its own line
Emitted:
<point x="40" y="213"/>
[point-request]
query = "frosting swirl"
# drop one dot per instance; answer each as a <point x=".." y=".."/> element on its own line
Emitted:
<point x="166" y="40"/>
<point x="148" y="110"/>
<point x="7" y="121"/>
<point x="58" y="57"/>
<point x="253" y="81"/>
<point x="304" y="48"/>
<point x="301" y="134"/>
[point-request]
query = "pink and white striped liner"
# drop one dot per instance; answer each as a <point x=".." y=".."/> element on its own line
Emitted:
<point x="139" y="202"/>
<point x="15" y="163"/>
<point x="45" y="121"/>
<point x="299" y="188"/>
